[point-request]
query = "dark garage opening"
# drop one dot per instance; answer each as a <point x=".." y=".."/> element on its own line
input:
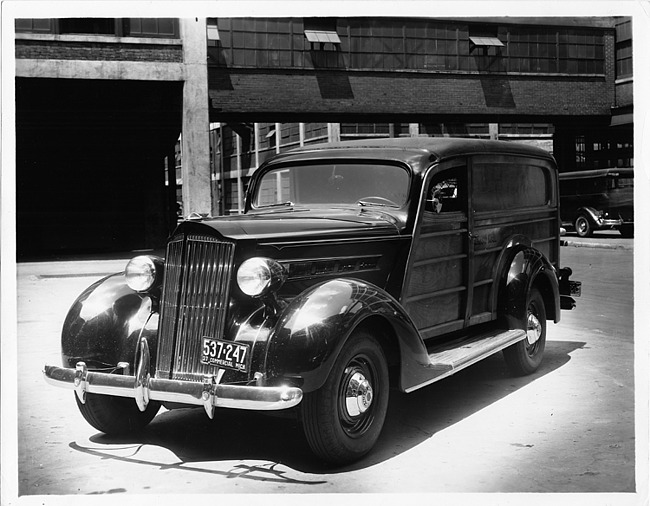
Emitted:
<point x="90" y="165"/>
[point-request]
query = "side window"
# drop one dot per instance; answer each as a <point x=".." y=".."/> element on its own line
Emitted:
<point x="446" y="192"/>
<point x="504" y="185"/>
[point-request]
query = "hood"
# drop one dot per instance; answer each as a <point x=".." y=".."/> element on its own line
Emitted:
<point x="303" y="224"/>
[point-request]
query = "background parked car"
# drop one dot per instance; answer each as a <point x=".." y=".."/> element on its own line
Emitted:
<point x="597" y="200"/>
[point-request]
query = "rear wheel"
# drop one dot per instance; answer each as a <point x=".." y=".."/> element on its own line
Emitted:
<point x="116" y="415"/>
<point x="525" y="356"/>
<point x="343" y="419"/>
<point x="583" y="226"/>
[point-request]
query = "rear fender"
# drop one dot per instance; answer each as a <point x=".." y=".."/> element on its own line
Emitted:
<point x="311" y="331"/>
<point x="525" y="267"/>
<point x="104" y="324"/>
<point x="592" y="214"/>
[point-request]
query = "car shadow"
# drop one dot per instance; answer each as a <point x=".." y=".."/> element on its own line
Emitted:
<point x="412" y="419"/>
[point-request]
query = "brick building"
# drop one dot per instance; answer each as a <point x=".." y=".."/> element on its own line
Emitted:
<point x="101" y="103"/>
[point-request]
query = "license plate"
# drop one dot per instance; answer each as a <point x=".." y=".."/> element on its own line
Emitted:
<point x="226" y="354"/>
<point x="576" y="288"/>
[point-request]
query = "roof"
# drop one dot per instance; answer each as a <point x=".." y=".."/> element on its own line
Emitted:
<point x="437" y="148"/>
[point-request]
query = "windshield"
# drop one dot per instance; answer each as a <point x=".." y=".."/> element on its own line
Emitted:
<point x="333" y="184"/>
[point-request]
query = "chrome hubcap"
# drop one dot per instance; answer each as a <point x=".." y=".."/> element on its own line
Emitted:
<point x="534" y="331"/>
<point x="582" y="226"/>
<point x="358" y="394"/>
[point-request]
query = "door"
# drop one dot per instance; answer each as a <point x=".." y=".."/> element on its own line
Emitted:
<point x="436" y="294"/>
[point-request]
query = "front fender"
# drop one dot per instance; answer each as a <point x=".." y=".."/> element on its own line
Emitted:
<point x="103" y="325"/>
<point x="311" y="331"/>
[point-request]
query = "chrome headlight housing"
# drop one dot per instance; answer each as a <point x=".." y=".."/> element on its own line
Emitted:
<point x="143" y="272"/>
<point x="260" y="276"/>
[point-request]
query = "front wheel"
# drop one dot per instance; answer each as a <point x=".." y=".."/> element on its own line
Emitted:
<point x="342" y="420"/>
<point x="116" y="416"/>
<point x="524" y="357"/>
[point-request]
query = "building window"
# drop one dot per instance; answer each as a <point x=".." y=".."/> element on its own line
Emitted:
<point x="410" y="44"/>
<point x="34" y="25"/>
<point x="624" y="49"/>
<point x="581" y="154"/>
<point x="151" y="27"/>
<point x="259" y="42"/>
<point x="132" y="27"/>
<point x="90" y="26"/>
<point x="212" y="33"/>
<point x="581" y="52"/>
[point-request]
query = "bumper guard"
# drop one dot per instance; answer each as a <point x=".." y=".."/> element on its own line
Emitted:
<point x="143" y="388"/>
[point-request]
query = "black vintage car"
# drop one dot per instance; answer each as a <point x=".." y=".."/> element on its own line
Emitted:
<point x="356" y="266"/>
<point x="600" y="199"/>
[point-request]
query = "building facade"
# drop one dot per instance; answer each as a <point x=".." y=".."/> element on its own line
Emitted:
<point x="118" y="94"/>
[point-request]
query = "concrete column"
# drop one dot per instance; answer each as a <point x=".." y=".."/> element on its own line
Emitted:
<point x="301" y="133"/>
<point x="197" y="188"/>
<point x="494" y="131"/>
<point x="256" y="133"/>
<point x="240" y="185"/>
<point x="278" y="137"/>
<point x="333" y="132"/>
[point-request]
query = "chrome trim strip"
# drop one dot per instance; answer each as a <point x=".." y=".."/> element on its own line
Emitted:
<point x="355" y="240"/>
<point x="184" y="392"/>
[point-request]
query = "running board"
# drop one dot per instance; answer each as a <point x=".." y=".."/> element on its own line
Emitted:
<point x="449" y="360"/>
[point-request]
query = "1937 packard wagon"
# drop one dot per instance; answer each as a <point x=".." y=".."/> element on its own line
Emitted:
<point x="356" y="267"/>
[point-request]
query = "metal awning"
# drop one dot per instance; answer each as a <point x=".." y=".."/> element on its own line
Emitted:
<point x="486" y="41"/>
<point x="213" y="32"/>
<point x="322" y="36"/>
<point x="622" y="119"/>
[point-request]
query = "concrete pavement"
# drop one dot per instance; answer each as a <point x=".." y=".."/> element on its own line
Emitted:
<point x="569" y="428"/>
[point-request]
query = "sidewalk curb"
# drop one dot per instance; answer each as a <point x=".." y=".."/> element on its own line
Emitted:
<point x="600" y="245"/>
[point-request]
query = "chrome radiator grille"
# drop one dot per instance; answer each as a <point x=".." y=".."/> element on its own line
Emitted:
<point x="195" y="297"/>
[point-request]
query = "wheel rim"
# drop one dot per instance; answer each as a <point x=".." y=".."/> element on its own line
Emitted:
<point x="534" y="330"/>
<point x="357" y="395"/>
<point x="582" y="226"/>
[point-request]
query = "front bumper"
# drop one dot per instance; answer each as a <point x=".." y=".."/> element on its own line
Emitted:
<point x="142" y="388"/>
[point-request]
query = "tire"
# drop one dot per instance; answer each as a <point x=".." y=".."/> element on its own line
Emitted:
<point x="116" y="416"/>
<point x="583" y="226"/>
<point x="524" y="357"/>
<point x="341" y="428"/>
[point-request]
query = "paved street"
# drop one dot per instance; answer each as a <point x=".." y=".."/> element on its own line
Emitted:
<point x="568" y="428"/>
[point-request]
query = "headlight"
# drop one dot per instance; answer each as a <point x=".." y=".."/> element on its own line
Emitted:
<point x="258" y="276"/>
<point x="142" y="272"/>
